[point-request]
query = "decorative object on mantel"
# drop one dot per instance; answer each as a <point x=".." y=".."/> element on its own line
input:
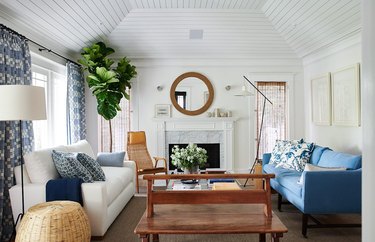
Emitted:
<point x="109" y="85"/>
<point x="189" y="159"/>
<point x="188" y="85"/>
<point x="261" y="123"/>
<point x="162" y="111"/>
<point x="346" y="96"/>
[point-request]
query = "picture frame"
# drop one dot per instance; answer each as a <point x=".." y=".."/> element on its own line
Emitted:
<point x="162" y="110"/>
<point x="321" y="99"/>
<point x="346" y="96"/>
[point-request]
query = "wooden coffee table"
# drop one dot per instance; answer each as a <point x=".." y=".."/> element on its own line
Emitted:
<point x="209" y="211"/>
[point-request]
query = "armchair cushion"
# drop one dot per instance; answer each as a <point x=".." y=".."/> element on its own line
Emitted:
<point x="115" y="159"/>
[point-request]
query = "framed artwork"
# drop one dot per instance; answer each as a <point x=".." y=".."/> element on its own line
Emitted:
<point x="346" y="96"/>
<point x="162" y="111"/>
<point x="321" y="100"/>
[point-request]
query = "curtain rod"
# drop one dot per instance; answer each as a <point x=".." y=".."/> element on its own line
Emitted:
<point x="43" y="48"/>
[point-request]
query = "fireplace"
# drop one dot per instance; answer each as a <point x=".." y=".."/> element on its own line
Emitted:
<point x="213" y="153"/>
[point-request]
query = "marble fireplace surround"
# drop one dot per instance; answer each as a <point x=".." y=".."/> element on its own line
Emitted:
<point x="197" y="130"/>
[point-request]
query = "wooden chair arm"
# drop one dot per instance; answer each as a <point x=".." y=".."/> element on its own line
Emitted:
<point x="157" y="159"/>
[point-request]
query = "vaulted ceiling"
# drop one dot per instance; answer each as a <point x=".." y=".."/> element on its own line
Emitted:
<point x="244" y="29"/>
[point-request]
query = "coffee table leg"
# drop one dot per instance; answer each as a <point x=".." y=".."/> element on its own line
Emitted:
<point x="144" y="237"/>
<point x="155" y="238"/>
<point x="276" y="237"/>
<point x="262" y="237"/>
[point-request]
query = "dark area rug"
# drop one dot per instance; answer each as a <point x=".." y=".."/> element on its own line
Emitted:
<point x="123" y="227"/>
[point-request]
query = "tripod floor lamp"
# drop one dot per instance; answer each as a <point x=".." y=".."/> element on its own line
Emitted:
<point x="246" y="93"/>
<point x="22" y="103"/>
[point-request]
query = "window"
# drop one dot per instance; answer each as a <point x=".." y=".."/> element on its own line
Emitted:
<point x="51" y="132"/>
<point x="181" y="99"/>
<point x="120" y="128"/>
<point x="275" y="116"/>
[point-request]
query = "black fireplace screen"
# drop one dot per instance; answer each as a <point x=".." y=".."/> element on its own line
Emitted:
<point x="213" y="153"/>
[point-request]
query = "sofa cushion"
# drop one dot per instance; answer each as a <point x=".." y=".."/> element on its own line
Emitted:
<point x="310" y="167"/>
<point x="297" y="155"/>
<point x="68" y="166"/>
<point x="40" y="166"/>
<point x="111" y="159"/>
<point x="287" y="178"/>
<point x="81" y="146"/>
<point x="290" y="182"/>
<point x="331" y="158"/>
<point x="92" y="166"/>
<point x="117" y="178"/>
<point x="317" y="153"/>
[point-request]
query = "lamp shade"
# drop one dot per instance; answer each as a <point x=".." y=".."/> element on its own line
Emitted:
<point x="22" y="102"/>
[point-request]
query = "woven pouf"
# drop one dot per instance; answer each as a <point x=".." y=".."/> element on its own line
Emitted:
<point x="55" y="221"/>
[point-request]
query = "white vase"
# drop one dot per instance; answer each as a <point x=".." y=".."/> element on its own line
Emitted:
<point x="191" y="170"/>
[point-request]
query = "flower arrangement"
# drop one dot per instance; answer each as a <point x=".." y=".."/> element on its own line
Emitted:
<point x="189" y="157"/>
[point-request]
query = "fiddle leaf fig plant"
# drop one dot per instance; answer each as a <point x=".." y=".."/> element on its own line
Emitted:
<point x="109" y="85"/>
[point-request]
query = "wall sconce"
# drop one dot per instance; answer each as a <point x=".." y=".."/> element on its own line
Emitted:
<point x="228" y="87"/>
<point x="159" y="88"/>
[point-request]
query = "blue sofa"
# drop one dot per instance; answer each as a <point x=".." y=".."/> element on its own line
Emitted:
<point x="322" y="192"/>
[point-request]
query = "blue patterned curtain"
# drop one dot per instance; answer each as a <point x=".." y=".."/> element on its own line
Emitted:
<point x="15" y="68"/>
<point x="76" y="112"/>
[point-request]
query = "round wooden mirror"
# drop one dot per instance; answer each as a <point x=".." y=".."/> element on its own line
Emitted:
<point x="192" y="93"/>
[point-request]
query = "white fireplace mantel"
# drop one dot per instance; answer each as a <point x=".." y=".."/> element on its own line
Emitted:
<point x="194" y="124"/>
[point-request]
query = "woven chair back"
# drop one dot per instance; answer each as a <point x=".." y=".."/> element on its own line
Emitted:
<point x="137" y="150"/>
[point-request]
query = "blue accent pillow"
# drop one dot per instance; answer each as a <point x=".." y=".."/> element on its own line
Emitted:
<point x="68" y="166"/>
<point x="92" y="166"/>
<point x="111" y="159"/>
<point x="331" y="158"/>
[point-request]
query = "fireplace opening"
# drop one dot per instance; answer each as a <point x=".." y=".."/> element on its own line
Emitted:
<point x="213" y="154"/>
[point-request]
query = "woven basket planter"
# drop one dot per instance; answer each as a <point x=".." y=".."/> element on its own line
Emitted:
<point x="55" y="221"/>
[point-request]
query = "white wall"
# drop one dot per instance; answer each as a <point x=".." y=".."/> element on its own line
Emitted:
<point x="145" y="96"/>
<point x="340" y="138"/>
<point x="368" y="116"/>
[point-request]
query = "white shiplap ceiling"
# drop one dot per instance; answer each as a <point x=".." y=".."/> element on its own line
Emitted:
<point x="308" y="26"/>
<point x="247" y="29"/>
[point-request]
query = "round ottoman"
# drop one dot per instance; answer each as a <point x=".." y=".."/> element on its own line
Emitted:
<point x="55" y="221"/>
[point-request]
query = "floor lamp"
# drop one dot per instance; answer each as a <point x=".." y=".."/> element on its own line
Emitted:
<point x="244" y="92"/>
<point x="22" y="103"/>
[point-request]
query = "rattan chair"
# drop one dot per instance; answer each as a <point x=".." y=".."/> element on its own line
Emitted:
<point x="137" y="151"/>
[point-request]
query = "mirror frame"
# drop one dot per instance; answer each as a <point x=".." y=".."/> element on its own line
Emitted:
<point x="210" y="93"/>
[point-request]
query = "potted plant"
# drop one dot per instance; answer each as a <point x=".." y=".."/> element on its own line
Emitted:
<point x="190" y="158"/>
<point x="108" y="84"/>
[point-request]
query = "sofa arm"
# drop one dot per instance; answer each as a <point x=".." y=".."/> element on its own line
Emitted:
<point x="332" y="191"/>
<point x="131" y="164"/>
<point x="266" y="158"/>
<point x="94" y="197"/>
<point x="34" y="193"/>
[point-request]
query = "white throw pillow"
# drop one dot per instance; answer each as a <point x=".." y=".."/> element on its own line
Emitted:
<point x="81" y="146"/>
<point x="310" y="167"/>
<point x="40" y="166"/>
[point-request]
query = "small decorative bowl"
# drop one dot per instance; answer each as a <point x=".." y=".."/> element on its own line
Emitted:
<point x="189" y="183"/>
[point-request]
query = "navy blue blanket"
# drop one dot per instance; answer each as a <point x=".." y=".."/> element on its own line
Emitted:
<point x="64" y="189"/>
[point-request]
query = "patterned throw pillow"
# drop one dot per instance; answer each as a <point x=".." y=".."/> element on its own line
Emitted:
<point x="278" y="154"/>
<point x="68" y="166"/>
<point x="92" y="166"/>
<point x="297" y="155"/>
